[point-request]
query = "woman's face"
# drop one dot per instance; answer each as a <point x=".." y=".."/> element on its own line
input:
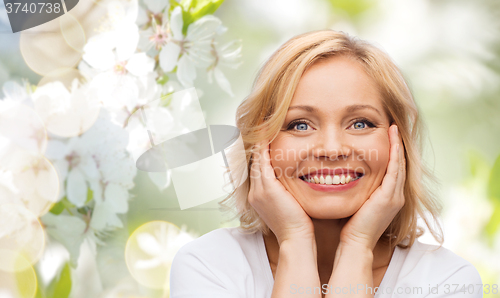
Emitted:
<point x="336" y="124"/>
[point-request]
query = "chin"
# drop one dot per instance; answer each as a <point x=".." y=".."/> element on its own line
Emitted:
<point x="330" y="211"/>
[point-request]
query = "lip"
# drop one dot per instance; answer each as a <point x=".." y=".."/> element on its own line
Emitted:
<point x="332" y="187"/>
<point x="332" y="172"/>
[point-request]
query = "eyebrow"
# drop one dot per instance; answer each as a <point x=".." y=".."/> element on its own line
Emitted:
<point x="349" y="109"/>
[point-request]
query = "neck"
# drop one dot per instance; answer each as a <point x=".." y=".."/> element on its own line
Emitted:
<point x="327" y="234"/>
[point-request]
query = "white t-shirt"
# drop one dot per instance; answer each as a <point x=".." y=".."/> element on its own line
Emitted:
<point x="229" y="263"/>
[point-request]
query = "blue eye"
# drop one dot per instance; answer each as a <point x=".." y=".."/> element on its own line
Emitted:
<point x="298" y="125"/>
<point x="359" y="124"/>
<point x="301" y="126"/>
<point x="362" y="124"/>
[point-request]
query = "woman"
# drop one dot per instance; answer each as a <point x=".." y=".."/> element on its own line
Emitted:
<point x="335" y="187"/>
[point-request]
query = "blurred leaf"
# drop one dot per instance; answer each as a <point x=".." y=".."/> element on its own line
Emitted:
<point x="494" y="182"/>
<point x="60" y="286"/>
<point x="192" y="10"/>
<point x="162" y="80"/>
<point x="26" y="281"/>
<point x="166" y="99"/>
<point x="38" y="293"/>
<point x="204" y="7"/>
<point x="90" y="195"/>
<point x="40" y="289"/>
<point x="83" y="210"/>
<point x="352" y="8"/>
<point x="493" y="225"/>
<point x="57" y="208"/>
<point x="67" y="203"/>
<point x="479" y="166"/>
<point x="186" y="4"/>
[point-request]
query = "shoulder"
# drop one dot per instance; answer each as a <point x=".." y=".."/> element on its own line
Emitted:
<point x="435" y="259"/>
<point x="222" y="242"/>
<point x="219" y="263"/>
<point x="433" y="265"/>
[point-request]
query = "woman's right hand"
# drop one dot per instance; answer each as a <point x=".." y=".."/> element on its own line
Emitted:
<point x="274" y="204"/>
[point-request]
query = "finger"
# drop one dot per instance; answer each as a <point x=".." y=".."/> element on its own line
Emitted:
<point x="255" y="174"/>
<point x="402" y="169"/>
<point x="391" y="177"/>
<point x="398" y="197"/>
<point x="266" y="168"/>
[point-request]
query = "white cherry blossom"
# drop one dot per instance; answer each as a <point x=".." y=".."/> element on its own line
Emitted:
<point x="113" y="54"/>
<point x="72" y="150"/>
<point x="195" y="48"/>
<point x="153" y="9"/>
<point x="229" y="56"/>
<point x="97" y="161"/>
<point x="65" y="112"/>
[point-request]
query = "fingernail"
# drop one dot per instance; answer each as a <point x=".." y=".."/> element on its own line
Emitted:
<point x="397" y="147"/>
<point x="397" y="133"/>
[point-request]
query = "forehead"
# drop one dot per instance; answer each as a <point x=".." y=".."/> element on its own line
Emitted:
<point x="334" y="83"/>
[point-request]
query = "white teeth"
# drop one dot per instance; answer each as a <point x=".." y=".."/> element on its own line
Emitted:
<point x="332" y="180"/>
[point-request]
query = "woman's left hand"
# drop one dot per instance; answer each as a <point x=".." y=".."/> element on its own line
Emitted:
<point x="368" y="224"/>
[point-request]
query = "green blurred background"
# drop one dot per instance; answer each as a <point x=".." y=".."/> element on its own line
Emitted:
<point x="449" y="52"/>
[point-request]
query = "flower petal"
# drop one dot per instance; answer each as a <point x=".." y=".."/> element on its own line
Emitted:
<point x="209" y="76"/>
<point x="116" y="197"/>
<point x="98" y="51"/>
<point x="14" y="91"/>
<point x="76" y="188"/>
<point x="164" y="19"/>
<point x="186" y="71"/>
<point x="114" y="91"/>
<point x="168" y="56"/>
<point x="56" y="149"/>
<point x="140" y="64"/>
<point x="144" y="44"/>
<point x="103" y="217"/>
<point x="157" y="6"/>
<point x="160" y="179"/>
<point x="142" y="16"/>
<point x="89" y="167"/>
<point x="222" y="81"/>
<point x="67" y="230"/>
<point x="127" y="40"/>
<point x="221" y="29"/>
<point x="204" y="28"/>
<point x="176" y="23"/>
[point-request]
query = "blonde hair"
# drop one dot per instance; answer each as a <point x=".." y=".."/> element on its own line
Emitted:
<point x="261" y="115"/>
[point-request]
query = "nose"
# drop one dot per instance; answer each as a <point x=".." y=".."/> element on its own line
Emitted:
<point x="331" y="144"/>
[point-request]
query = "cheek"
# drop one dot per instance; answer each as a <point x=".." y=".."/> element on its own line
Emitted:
<point x="286" y="153"/>
<point x="375" y="152"/>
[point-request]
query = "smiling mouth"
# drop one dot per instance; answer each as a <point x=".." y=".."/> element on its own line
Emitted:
<point x="331" y="179"/>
